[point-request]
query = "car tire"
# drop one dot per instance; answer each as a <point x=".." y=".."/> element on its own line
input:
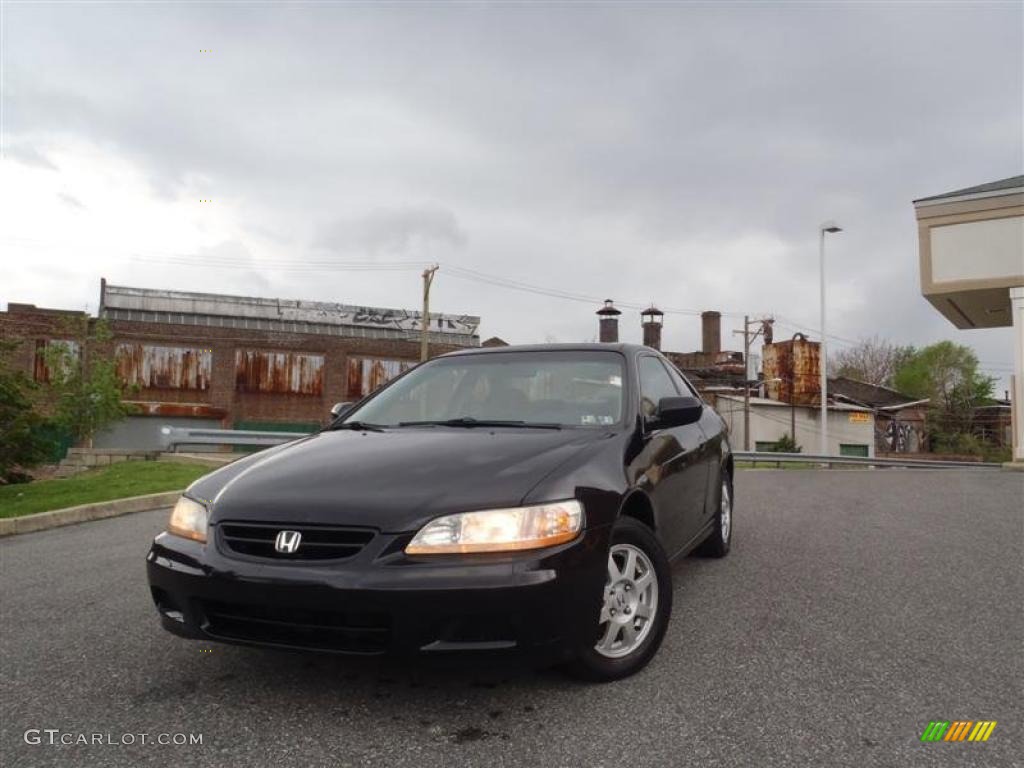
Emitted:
<point x="718" y="543"/>
<point x="643" y="591"/>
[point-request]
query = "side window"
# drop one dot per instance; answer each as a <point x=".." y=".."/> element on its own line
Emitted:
<point x="682" y="382"/>
<point x="655" y="383"/>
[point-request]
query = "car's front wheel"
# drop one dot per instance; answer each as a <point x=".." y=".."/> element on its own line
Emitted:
<point x="718" y="543"/>
<point x="636" y="605"/>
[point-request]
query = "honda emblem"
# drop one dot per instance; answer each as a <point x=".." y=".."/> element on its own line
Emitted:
<point x="287" y="542"/>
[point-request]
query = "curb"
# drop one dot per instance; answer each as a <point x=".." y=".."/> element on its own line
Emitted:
<point x="214" y="460"/>
<point x="41" y="521"/>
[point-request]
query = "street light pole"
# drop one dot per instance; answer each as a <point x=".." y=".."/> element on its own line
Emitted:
<point x="746" y="382"/>
<point x="829" y="227"/>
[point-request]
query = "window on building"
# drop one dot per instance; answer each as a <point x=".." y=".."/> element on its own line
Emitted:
<point x="368" y="374"/>
<point x="152" y="366"/>
<point x="45" y="349"/>
<point x="282" y="373"/>
<point x="853" y="449"/>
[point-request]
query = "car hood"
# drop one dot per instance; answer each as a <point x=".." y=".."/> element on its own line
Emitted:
<point x="395" y="480"/>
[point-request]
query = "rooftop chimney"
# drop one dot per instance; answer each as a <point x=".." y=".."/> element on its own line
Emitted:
<point x="609" y="322"/>
<point x="652" y="317"/>
<point x="711" y="332"/>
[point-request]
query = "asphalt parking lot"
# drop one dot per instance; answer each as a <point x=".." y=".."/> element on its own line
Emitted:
<point x="855" y="607"/>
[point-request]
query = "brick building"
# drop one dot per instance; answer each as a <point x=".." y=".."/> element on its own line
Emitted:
<point x="199" y="359"/>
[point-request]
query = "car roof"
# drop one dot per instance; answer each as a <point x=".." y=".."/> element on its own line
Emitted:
<point x="622" y="348"/>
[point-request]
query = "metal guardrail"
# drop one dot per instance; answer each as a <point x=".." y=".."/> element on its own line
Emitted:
<point x="757" y="457"/>
<point x="172" y="437"/>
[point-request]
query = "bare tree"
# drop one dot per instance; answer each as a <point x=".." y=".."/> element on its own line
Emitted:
<point x="873" y="360"/>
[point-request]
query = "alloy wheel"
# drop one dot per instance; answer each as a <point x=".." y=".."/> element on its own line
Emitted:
<point x="630" y="601"/>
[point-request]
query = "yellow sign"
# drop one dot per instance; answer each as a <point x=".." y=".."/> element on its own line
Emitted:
<point x="858" y="417"/>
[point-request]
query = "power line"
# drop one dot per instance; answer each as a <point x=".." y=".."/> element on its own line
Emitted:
<point x="459" y="272"/>
<point x="308" y="266"/>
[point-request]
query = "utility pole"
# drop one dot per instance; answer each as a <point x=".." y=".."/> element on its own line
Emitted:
<point x="428" y="279"/>
<point x="748" y="339"/>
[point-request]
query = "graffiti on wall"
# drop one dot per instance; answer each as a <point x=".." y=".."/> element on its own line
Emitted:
<point x="900" y="437"/>
<point x="401" y="319"/>
<point x="283" y="373"/>
<point x="366" y="374"/>
<point x="151" y="366"/>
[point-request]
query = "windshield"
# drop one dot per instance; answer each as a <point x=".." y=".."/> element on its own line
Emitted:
<point x="571" y="389"/>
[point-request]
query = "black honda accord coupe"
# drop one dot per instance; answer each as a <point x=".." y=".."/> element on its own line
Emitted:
<point x="528" y="498"/>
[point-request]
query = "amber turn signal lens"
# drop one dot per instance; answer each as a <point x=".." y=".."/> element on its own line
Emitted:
<point x="188" y="519"/>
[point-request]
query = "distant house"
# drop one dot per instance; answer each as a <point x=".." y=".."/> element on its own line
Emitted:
<point x="993" y="423"/>
<point x="899" y="418"/>
<point x="851" y="428"/>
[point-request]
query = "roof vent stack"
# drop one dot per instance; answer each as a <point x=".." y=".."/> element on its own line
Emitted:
<point x="652" y="321"/>
<point x="608" y="322"/>
<point x="711" y="332"/>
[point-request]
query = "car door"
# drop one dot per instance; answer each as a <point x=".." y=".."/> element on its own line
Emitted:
<point x="713" y="430"/>
<point x="672" y="473"/>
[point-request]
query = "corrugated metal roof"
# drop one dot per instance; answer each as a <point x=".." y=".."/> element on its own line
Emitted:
<point x="459" y="328"/>
<point x="1008" y="184"/>
<point x="759" y="401"/>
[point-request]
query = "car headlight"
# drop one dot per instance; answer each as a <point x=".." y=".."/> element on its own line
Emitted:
<point x="188" y="519"/>
<point x="499" y="530"/>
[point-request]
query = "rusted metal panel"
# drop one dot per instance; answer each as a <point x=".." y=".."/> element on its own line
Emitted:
<point x="796" y="364"/>
<point x="366" y="374"/>
<point x="158" y="367"/>
<point x="40" y="367"/>
<point x="40" y="370"/>
<point x="195" y="410"/>
<point x="283" y="373"/>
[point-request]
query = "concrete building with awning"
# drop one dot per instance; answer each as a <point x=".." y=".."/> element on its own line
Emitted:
<point x="971" y="244"/>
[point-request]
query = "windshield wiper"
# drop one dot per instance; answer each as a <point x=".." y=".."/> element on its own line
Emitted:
<point x="360" y="425"/>
<point x="469" y="421"/>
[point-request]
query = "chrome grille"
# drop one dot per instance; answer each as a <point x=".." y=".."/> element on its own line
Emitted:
<point x="319" y="542"/>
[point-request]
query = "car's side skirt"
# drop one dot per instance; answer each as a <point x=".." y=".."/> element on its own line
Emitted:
<point x="695" y="542"/>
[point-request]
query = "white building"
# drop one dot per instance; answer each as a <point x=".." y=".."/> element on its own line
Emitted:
<point x="971" y="244"/>
<point x="851" y="428"/>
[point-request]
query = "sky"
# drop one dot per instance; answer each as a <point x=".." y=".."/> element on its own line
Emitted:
<point x="676" y="153"/>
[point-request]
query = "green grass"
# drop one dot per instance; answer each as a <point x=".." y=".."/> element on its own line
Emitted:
<point x="118" y="481"/>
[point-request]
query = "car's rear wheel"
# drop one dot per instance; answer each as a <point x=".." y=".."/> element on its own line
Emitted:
<point x="635" y="609"/>
<point x="718" y="543"/>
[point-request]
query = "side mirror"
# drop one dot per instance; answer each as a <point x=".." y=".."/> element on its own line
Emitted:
<point x="338" y="409"/>
<point x="678" y="412"/>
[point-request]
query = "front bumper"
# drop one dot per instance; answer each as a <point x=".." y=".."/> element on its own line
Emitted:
<point x="383" y="601"/>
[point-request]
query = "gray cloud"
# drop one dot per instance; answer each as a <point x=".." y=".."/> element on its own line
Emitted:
<point x="410" y="230"/>
<point x="27" y="154"/>
<point x="604" y="149"/>
<point x="71" y="201"/>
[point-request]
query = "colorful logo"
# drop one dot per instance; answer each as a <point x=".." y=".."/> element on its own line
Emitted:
<point x="958" y="730"/>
